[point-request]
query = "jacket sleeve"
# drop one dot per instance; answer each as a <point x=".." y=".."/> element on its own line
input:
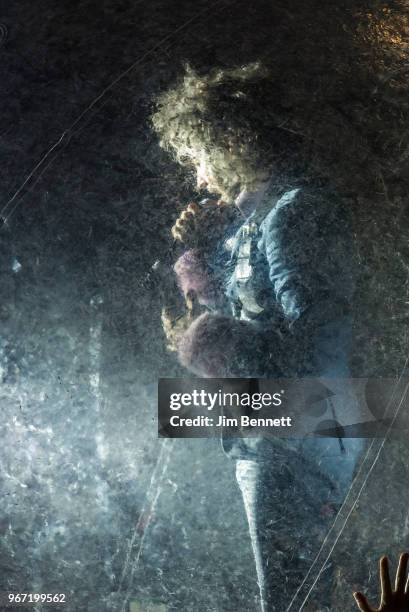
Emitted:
<point x="308" y="245"/>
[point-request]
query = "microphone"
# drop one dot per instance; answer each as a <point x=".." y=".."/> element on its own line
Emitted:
<point x="163" y="266"/>
<point x="167" y="259"/>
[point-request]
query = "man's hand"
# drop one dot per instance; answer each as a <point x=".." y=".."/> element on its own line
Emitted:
<point x="202" y="226"/>
<point x="175" y="324"/>
<point x="391" y="601"/>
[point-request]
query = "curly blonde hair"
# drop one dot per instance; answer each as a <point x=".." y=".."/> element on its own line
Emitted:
<point x="232" y="120"/>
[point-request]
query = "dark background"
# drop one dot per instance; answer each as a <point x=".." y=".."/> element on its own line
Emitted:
<point x="92" y="503"/>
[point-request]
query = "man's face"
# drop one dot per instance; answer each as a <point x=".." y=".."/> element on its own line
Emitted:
<point x="203" y="174"/>
<point x="206" y="180"/>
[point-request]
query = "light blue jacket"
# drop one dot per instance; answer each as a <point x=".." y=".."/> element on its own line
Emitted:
<point x="293" y="265"/>
<point x="297" y="268"/>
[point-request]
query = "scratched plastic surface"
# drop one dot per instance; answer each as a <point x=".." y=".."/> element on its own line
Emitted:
<point x="92" y="503"/>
